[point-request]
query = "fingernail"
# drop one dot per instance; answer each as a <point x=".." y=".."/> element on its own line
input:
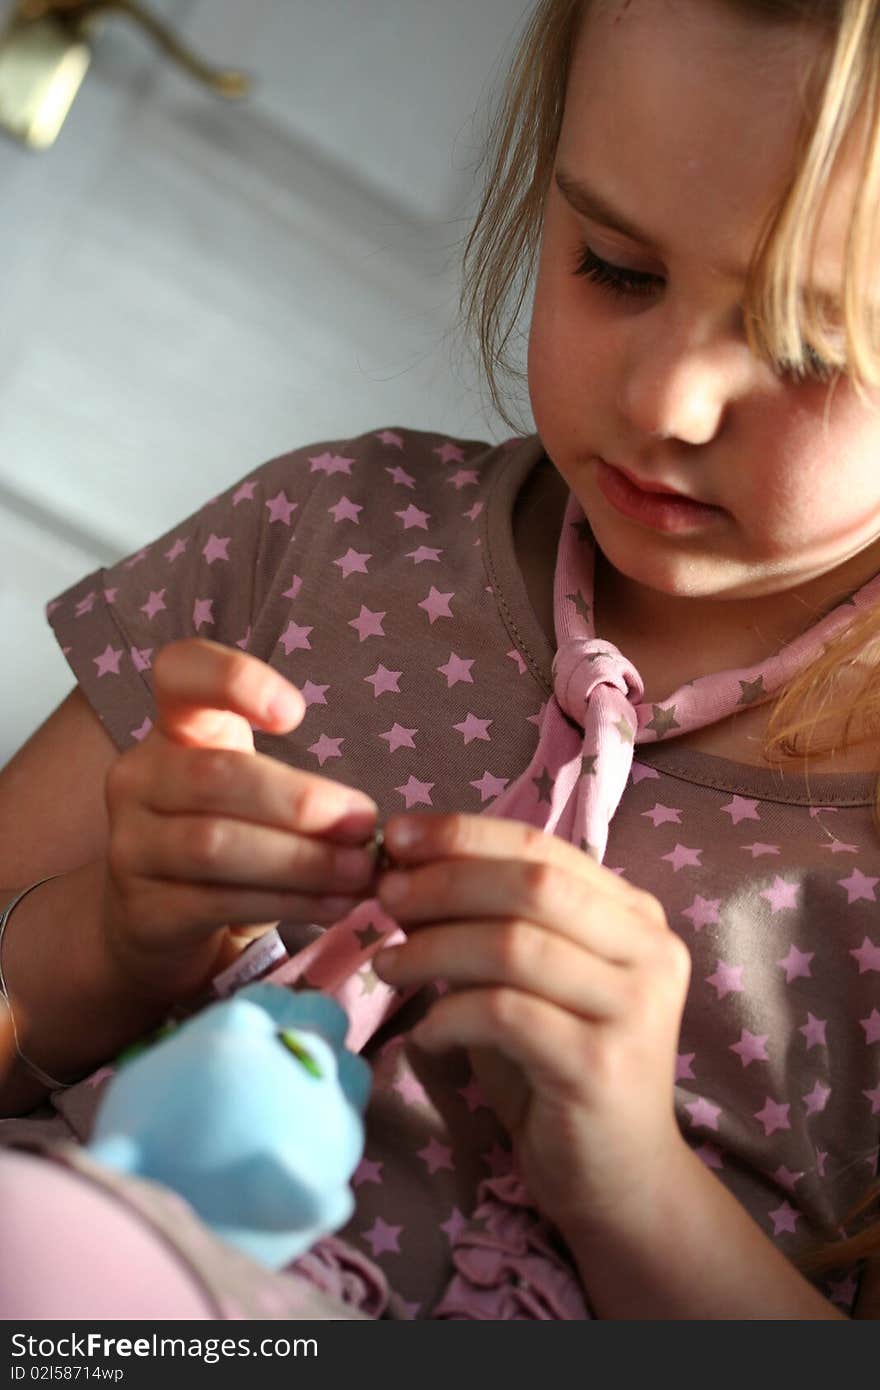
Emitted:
<point x="358" y="818"/>
<point x="403" y="834"/>
<point x="285" y="707"/>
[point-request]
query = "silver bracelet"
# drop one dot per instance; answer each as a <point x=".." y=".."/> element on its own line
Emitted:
<point x="43" y="1076"/>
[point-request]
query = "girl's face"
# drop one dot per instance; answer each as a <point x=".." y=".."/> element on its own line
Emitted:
<point x="680" y="126"/>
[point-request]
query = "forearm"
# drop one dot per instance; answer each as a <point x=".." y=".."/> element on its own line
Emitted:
<point x="73" y="1006"/>
<point x="688" y="1250"/>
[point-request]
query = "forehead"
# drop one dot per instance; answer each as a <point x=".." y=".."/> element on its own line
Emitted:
<point x="688" y="113"/>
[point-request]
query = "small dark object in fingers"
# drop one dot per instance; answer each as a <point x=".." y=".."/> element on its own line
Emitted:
<point x="376" y="844"/>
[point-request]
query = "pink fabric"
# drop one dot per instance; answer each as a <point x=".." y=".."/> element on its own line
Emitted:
<point x="506" y="1265"/>
<point x="88" y="1273"/>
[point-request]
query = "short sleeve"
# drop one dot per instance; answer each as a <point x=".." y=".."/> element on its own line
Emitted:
<point x="208" y="577"/>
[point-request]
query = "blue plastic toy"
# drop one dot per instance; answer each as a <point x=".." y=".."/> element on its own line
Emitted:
<point x="253" y="1111"/>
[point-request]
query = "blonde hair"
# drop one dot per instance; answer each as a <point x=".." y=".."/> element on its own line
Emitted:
<point x="836" y="701"/>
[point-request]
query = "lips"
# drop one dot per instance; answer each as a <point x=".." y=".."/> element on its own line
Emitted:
<point x="645" y="486"/>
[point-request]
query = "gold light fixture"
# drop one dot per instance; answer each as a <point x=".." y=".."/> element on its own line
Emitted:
<point x="45" y="53"/>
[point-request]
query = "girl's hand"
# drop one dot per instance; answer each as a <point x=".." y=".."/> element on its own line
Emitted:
<point x="566" y="987"/>
<point x="207" y="834"/>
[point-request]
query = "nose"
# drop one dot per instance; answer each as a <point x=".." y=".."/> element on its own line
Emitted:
<point x="677" y="382"/>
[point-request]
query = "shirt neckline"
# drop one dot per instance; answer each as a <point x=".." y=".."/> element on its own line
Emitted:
<point x="530" y="640"/>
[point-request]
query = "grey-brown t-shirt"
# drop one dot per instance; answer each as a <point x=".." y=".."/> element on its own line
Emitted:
<point x="378" y="574"/>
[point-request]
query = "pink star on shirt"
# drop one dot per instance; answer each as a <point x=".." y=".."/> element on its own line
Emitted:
<point x="327" y="748"/>
<point x="867" y="955"/>
<point x="683" y="1069"/>
<point x="436" y="605"/>
<point x="817" y="1099"/>
<point x="784" y="1218"/>
<point x="110" y="595"/>
<point x="353" y="562"/>
<point x="449" y="453"/>
<point x="244" y="642"/>
<point x="874" y="1098"/>
<point x="203" y="612"/>
<point x="423" y="553"/>
<point x="751" y="1047"/>
<point x="108" y="662"/>
<point x="516" y="658"/>
<point x="858" y="885"/>
<point x="215" y="548"/>
<point x="489" y="786"/>
<point x="796" y="964"/>
<point x="473" y="1096"/>
<point x="436" y="1155"/>
<point x="368" y="1170"/>
<point x="473" y="513"/>
<point x="391" y="438"/>
<point x="382" y="680"/>
<point x="814" y="1031"/>
<point x="368" y="624"/>
<point x="741" y="808"/>
<point x="780" y="894"/>
<point x="295" y="586"/>
<point x="773" y="1116"/>
<point x="416" y="793"/>
<point x="141" y="732"/>
<point x="639" y="772"/>
<point x="871" y="1026"/>
<point x="345" y="510"/>
<point x="85" y="605"/>
<point x="454" y="1226"/>
<point x="727" y="979"/>
<point x="786" y="1178"/>
<point x="331" y="463"/>
<point x="295" y="638"/>
<point x="759" y="848"/>
<point x="154" y="604"/>
<point x="314" y="694"/>
<point x="709" y="1155"/>
<point x="660" y="815"/>
<point x="177" y="549"/>
<point x="136" y="559"/>
<point x="465" y="477"/>
<point x="472" y="728"/>
<point x="400" y="477"/>
<point x="457" y="669"/>
<point x="681" y="856"/>
<point x="140" y="657"/>
<point x="412" y="516"/>
<point x="280" y="508"/>
<point x="703" y="912"/>
<point x="245" y="493"/>
<point x="398" y="737"/>
<point x="383" y="1237"/>
<point x="703" y="1112"/>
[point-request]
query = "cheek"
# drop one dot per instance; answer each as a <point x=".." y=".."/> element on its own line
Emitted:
<point x="817" y="485"/>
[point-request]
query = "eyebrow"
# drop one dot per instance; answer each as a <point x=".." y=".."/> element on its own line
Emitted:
<point x="589" y="203"/>
<point x="586" y="201"/>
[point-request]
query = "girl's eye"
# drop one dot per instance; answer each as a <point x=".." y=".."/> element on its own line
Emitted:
<point x="615" y="278"/>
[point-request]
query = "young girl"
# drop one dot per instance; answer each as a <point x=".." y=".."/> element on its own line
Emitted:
<point x="647" y="1084"/>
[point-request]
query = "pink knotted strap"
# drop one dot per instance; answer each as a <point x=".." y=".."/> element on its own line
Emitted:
<point x="572" y="788"/>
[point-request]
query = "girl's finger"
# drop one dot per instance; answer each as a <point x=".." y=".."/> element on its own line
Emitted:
<point x="198" y="685"/>
<point x="254" y="787"/>
<point x="512" y="955"/>
<point x="417" y="838"/>
<point x="220" y="850"/>
<point x="548" y="1043"/>
<point x="609" y="925"/>
<point x="166" y="914"/>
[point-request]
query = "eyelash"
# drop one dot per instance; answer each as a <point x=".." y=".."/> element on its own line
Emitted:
<point x="639" y="284"/>
<point x="615" y="278"/>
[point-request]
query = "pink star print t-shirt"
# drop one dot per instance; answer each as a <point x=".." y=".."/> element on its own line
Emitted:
<point x="378" y="574"/>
